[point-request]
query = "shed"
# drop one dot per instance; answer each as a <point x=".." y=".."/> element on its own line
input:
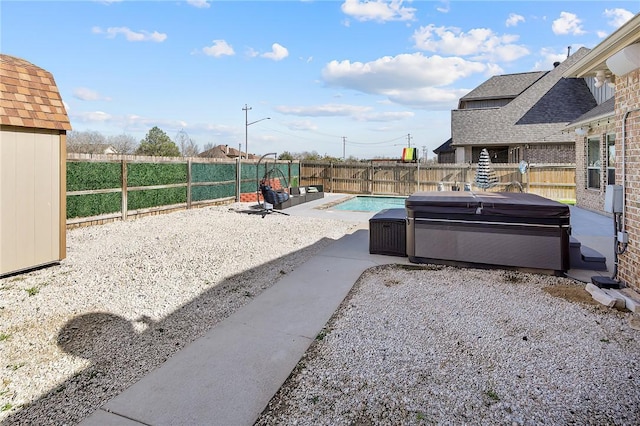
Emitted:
<point x="33" y="128"/>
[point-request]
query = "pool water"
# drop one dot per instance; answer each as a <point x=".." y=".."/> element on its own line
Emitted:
<point x="363" y="203"/>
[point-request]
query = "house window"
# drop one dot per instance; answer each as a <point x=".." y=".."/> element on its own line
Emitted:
<point x="594" y="163"/>
<point x="611" y="159"/>
<point x="497" y="154"/>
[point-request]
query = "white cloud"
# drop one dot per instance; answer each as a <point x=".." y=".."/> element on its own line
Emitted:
<point x="326" y="110"/>
<point x="406" y="79"/>
<point x="514" y="19"/>
<point x="218" y="48"/>
<point x="201" y="4"/>
<point x="85" y="94"/>
<point x="378" y="10"/>
<point x="356" y="112"/>
<point x="394" y="72"/>
<point x="445" y="8"/>
<point x="479" y="43"/>
<point x="617" y="17"/>
<point x="278" y="52"/>
<point x="92" y="117"/>
<point x="567" y="23"/>
<point x="549" y="57"/>
<point x="428" y="97"/>
<point x="385" y="117"/>
<point x="130" y="35"/>
<point x="301" y="125"/>
<point x="602" y="34"/>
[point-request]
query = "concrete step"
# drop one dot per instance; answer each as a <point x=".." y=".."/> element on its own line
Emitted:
<point x="583" y="257"/>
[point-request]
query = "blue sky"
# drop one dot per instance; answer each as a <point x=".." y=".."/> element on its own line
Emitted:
<point x="365" y="78"/>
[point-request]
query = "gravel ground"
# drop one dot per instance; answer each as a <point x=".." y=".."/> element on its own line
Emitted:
<point x="440" y="345"/>
<point x="129" y="295"/>
<point x="416" y="344"/>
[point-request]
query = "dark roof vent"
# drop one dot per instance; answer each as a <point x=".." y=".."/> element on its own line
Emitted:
<point x="555" y="64"/>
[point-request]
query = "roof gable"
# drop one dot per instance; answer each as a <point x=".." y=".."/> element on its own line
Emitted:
<point x="29" y="96"/>
<point x="528" y="118"/>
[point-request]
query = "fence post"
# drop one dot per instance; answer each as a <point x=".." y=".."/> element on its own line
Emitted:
<point x="238" y="179"/>
<point x="331" y="175"/>
<point x="370" y="174"/>
<point x="189" y="183"/>
<point x="124" y="205"/>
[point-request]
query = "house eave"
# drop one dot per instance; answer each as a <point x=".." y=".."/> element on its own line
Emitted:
<point x="595" y="60"/>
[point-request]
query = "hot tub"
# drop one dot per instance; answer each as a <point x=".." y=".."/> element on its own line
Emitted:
<point x="489" y="228"/>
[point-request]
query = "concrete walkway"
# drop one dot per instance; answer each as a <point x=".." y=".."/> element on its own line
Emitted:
<point x="228" y="376"/>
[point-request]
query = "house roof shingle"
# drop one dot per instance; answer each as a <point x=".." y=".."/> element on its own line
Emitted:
<point x="504" y="86"/>
<point x="605" y="109"/>
<point x="553" y="108"/>
<point x="529" y="117"/>
<point x="29" y="96"/>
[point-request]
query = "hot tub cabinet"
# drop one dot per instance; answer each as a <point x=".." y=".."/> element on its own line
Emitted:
<point x="490" y="228"/>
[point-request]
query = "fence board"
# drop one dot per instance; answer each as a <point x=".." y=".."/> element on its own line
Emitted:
<point x="554" y="181"/>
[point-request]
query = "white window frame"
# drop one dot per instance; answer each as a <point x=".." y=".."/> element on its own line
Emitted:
<point x="593" y="165"/>
<point x="611" y="158"/>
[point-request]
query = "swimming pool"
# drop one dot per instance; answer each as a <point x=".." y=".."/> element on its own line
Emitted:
<point x="365" y="203"/>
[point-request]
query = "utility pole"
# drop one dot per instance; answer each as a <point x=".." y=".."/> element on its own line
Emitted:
<point x="344" y="142"/>
<point x="409" y="139"/>
<point x="424" y="154"/>
<point x="246" y="110"/>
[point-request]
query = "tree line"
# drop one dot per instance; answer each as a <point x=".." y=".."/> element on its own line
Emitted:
<point x="157" y="143"/>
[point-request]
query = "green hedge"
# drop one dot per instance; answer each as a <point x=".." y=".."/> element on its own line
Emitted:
<point x="88" y="175"/>
<point x="212" y="172"/>
<point x="93" y="204"/>
<point x="156" y="197"/>
<point x="148" y="174"/>
<point x="213" y="192"/>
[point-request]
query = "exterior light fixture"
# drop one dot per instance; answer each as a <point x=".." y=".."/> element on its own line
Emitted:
<point x="600" y="78"/>
<point x="625" y="61"/>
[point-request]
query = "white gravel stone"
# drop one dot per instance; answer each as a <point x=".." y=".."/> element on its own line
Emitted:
<point x="462" y="346"/>
<point x="421" y="345"/>
<point x="129" y="295"/>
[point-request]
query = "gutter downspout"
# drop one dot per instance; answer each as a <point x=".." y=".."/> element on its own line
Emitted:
<point x="624" y="174"/>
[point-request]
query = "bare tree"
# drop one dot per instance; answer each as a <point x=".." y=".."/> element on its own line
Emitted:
<point x="124" y="144"/>
<point x="78" y="141"/>
<point x="188" y="148"/>
<point x="208" y="146"/>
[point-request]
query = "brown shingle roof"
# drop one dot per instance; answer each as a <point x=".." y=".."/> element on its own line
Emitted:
<point x="29" y="96"/>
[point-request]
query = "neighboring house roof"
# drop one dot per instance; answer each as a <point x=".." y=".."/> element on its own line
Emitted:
<point x="223" y="151"/>
<point x="29" y="96"/>
<point x="445" y="147"/>
<point x="503" y="86"/>
<point x="531" y="116"/>
<point x="215" y="152"/>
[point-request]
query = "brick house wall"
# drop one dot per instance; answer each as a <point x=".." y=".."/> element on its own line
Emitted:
<point x="628" y="101"/>
<point x="590" y="198"/>
<point x="551" y="153"/>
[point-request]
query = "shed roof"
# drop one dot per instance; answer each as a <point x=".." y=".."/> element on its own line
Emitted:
<point x="29" y="96"/>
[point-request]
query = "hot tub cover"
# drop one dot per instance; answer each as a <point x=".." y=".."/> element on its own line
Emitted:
<point x="494" y="204"/>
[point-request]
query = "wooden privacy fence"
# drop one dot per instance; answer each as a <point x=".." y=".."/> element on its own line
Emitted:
<point x="554" y="181"/>
<point x="102" y="188"/>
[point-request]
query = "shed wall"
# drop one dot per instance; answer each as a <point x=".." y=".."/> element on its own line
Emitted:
<point x="30" y="199"/>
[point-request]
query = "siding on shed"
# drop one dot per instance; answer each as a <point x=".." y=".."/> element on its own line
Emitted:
<point x="30" y="214"/>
